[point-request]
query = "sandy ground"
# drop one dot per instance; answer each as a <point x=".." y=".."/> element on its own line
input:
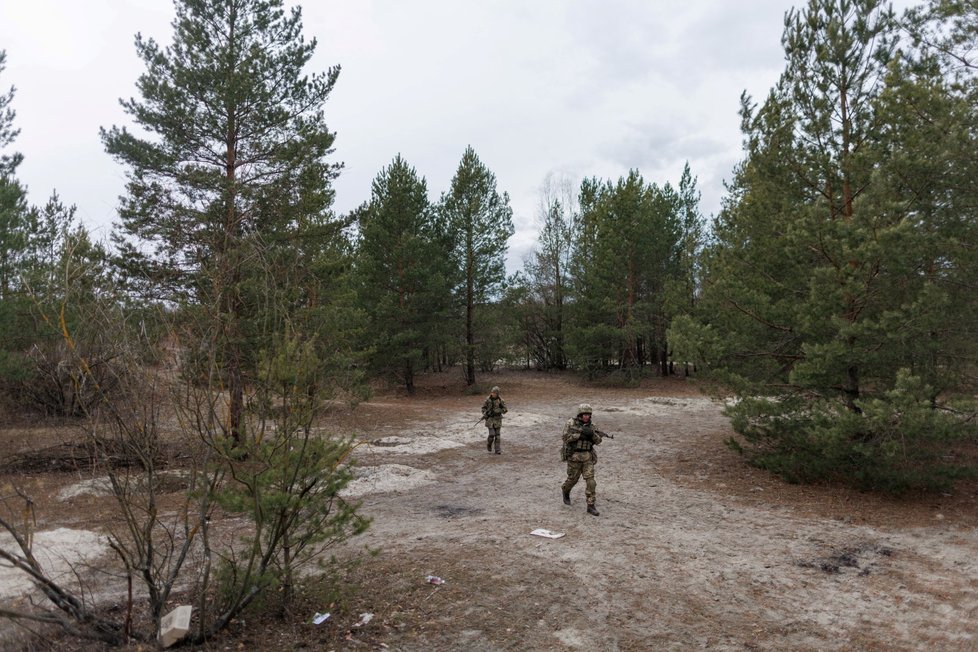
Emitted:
<point x="692" y="550"/>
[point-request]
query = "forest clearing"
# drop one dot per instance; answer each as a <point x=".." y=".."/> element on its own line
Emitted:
<point x="693" y="548"/>
<point x="246" y="415"/>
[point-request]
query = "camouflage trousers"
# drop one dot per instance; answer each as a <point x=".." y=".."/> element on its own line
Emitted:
<point x="574" y="472"/>
<point x="492" y="443"/>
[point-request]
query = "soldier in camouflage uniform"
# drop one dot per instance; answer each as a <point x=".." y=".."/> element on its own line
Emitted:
<point x="492" y="411"/>
<point x="580" y="438"/>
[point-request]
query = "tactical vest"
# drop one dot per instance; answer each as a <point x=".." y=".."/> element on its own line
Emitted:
<point x="582" y="445"/>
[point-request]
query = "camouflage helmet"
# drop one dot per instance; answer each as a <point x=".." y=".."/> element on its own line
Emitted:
<point x="583" y="408"/>
<point x="495" y="388"/>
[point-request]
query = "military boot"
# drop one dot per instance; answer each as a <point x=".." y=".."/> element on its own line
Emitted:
<point x="566" y="497"/>
<point x="592" y="510"/>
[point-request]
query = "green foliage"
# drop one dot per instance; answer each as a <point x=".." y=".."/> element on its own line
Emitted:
<point x="897" y="442"/>
<point x="285" y="477"/>
<point x="228" y="195"/>
<point x="404" y="273"/>
<point x="15" y="218"/>
<point x="497" y="334"/>
<point x="839" y="283"/>
<point x="545" y="287"/>
<point x="681" y="287"/>
<point x="624" y="258"/>
<point x="66" y="291"/>
<point x="51" y="278"/>
<point x="691" y="340"/>
<point x="15" y="228"/>
<point x="479" y="223"/>
<point x="8" y="161"/>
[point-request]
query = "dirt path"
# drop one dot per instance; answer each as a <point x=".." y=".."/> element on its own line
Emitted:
<point x="692" y="550"/>
<point x="675" y="561"/>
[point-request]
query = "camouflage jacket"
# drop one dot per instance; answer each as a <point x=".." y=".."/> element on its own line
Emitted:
<point x="493" y="411"/>
<point x="579" y="448"/>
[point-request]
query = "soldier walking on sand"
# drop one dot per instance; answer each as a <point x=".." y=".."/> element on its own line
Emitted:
<point x="580" y="438"/>
<point x="492" y="411"/>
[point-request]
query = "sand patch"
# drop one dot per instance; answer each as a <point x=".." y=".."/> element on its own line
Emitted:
<point x="661" y="406"/>
<point x="92" y="487"/>
<point x="386" y="478"/>
<point x="397" y="445"/>
<point x="167" y="481"/>
<point x="58" y="551"/>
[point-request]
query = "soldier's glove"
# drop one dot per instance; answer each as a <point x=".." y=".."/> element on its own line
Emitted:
<point x="586" y="436"/>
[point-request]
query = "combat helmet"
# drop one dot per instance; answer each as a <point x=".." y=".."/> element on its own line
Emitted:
<point x="495" y="388"/>
<point x="583" y="408"/>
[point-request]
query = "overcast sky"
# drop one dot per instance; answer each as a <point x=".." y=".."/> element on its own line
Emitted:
<point x="575" y="88"/>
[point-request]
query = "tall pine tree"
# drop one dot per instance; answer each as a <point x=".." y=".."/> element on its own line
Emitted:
<point x="480" y="222"/>
<point x="235" y="155"/>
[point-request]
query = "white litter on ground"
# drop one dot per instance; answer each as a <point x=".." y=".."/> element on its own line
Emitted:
<point x="175" y="625"/>
<point x="549" y="534"/>
<point x="364" y="619"/>
<point x="319" y="618"/>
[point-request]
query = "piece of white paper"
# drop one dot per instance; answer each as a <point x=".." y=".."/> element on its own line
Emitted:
<point x="364" y="619"/>
<point x="319" y="618"/>
<point x="540" y="532"/>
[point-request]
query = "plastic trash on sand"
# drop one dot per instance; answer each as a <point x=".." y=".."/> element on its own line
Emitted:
<point x="434" y="579"/>
<point x="549" y="534"/>
<point x="175" y="625"/>
<point x="319" y="618"/>
<point x="364" y="619"/>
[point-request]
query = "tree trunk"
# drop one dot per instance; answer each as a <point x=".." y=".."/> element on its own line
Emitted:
<point x="469" y="312"/>
<point x="409" y="377"/>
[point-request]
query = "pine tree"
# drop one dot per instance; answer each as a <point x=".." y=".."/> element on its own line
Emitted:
<point x="480" y="223"/>
<point x="682" y="287"/>
<point x="402" y="268"/>
<point x="14" y="213"/>
<point x="235" y="156"/>
<point x="8" y="161"/>
<point x="14" y="231"/>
